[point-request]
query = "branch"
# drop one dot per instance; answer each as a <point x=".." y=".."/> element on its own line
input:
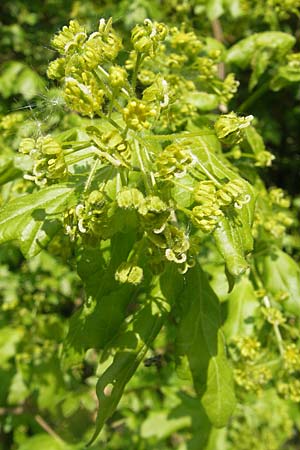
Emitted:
<point x="219" y="36"/>
<point x="48" y="429"/>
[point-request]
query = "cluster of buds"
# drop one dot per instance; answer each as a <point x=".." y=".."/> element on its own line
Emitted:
<point x="81" y="55"/>
<point x="206" y="214"/>
<point x="206" y="217"/>
<point x="155" y="217"/>
<point x="291" y="358"/>
<point x="137" y="114"/>
<point x="153" y="212"/>
<point x="290" y="390"/>
<point x="47" y="157"/>
<point x="233" y="192"/>
<point x="212" y="201"/>
<point x="113" y="147"/>
<point x="273" y="315"/>
<point x="89" y="219"/>
<point x="252" y="378"/>
<point x="229" y="128"/>
<point x="130" y="273"/>
<point x="248" y="347"/>
<point x="146" y="38"/>
<point x="173" y="161"/>
<point x="100" y="46"/>
<point x="186" y="42"/>
<point x="82" y="94"/>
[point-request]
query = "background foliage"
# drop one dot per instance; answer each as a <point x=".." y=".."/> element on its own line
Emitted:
<point x="65" y="311"/>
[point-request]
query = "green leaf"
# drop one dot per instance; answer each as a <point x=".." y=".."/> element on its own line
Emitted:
<point x="45" y="441"/>
<point x="104" y="309"/>
<point x="28" y="84"/>
<point x="277" y="42"/>
<point x="234" y="6"/>
<point x="242" y="305"/>
<point x="259" y="51"/>
<point x="159" y="425"/>
<point x="281" y="274"/>
<point x="229" y="243"/>
<point x="254" y="140"/>
<point x="133" y="344"/>
<point x="9" y="339"/>
<point x="219" y="398"/>
<point x="8" y="171"/>
<point x="18" y="390"/>
<point x="285" y="75"/>
<point x="30" y="219"/>
<point x="199" y="339"/>
<point x="191" y="408"/>
<point x="203" y="100"/>
<point x="17" y="78"/>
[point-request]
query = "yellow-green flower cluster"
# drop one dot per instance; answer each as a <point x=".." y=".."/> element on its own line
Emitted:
<point x="249" y="347"/>
<point x="186" y="42"/>
<point x="81" y="55"/>
<point x="146" y="38"/>
<point x="211" y="202"/>
<point x="206" y="217"/>
<point x="233" y="192"/>
<point x="90" y="219"/>
<point x="70" y="38"/>
<point x="273" y="315"/>
<point x="138" y="114"/>
<point x="47" y="158"/>
<point x="252" y="378"/>
<point x="229" y="128"/>
<point x="292" y="358"/>
<point x="83" y="94"/>
<point x="173" y="161"/>
<point x="290" y="390"/>
<point x="128" y="272"/>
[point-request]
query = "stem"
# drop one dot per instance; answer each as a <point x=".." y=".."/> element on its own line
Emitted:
<point x="123" y="176"/>
<point x="219" y="36"/>
<point x="48" y="429"/>
<point x="203" y="169"/>
<point x="106" y="74"/>
<point x="91" y="175"/>
<point x="172" y="137"/>
<point x="151" y="174"/>
<point x="107" y="156"/>
<point x="142" y="166"/>
<point x="112" y="122"/>
<point x="77" y="157"/>
<point x="75" y="146"/>
<point x="135" y="72"/>
<point x="252" y="99"/>
<point x="267" y="304"/>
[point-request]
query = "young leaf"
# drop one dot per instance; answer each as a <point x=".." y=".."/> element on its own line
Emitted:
<point x="230" y="245"/>
<point x="243" y="52"/>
